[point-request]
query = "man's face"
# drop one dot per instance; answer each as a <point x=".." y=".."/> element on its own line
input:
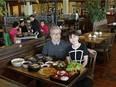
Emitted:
<point x="31" y="18"/>
<point x="55" y="35"/>
<point x="22" y="24"/>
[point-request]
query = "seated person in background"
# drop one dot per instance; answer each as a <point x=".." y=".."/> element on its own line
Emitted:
<point x="44" y="28"/>
<point x="14" y="31"/>
<point x="78" y="51"/>
<point x="23" y="26"/>
<point x="56" y="47"/>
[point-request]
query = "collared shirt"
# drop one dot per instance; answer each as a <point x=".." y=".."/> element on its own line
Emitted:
<point x="56" y="43"/>
<point x="58" y="52"/>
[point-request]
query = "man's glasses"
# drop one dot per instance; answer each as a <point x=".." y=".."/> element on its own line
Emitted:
<point x="55" y="33"/>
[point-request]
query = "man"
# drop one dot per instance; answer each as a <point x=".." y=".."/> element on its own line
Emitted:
<point x="76" y="16"/>
<point x="56" y="47"/>
<point x="35" y="24"/>
<point x="76" y="20"/>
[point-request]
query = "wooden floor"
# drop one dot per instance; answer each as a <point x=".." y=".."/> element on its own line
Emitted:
<point x="105" y="74"/>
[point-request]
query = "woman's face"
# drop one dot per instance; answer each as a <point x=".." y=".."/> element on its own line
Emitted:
<point x="17" y="27"/>
<point x="73" y="39"/>
<point x="42" y="23"/>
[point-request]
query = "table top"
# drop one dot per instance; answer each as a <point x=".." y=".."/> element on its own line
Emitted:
<point x="36" y="76"/>
<point x="96" y="40"/>
<point x="112" y="24"/>
<point x="26" y="37"/>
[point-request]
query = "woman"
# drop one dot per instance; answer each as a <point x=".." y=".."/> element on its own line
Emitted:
<point x="78" y="51"/>
<point x="44" y="28"/>
<point x="14" y="31"/>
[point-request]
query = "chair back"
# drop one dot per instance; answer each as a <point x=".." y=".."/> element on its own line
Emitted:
<point x="112" y="39"/>
<point x="106" y="44"/>
<point x="92" y="61"/>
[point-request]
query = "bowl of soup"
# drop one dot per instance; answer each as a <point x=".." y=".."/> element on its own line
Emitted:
<point x="17" y="62"/>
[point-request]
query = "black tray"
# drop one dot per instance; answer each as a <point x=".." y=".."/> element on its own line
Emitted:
<point x="65" y="82"/>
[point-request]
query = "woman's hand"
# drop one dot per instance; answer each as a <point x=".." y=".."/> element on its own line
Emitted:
<point x="91" y="51"/>
<point x="85" y="61"/>
<point x="20" y="31"/>
<point x="67" y="60"/>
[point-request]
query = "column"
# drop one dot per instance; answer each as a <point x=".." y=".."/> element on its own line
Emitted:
<point x="28" y="10"/>
<point x="65" y="6"/>
<point x="8" y="7"/>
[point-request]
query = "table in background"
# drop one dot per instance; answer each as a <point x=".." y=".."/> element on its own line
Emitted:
<point x="112" y="27"/>
<point x="96" y="40"/>
<point x="18" y="39"/>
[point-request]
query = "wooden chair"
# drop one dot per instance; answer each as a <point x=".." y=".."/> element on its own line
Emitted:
<point x="106" y="47"/>
<point x="110" y="44"/>
<point x="92" y="61"/>
<point x="103" y="50"/>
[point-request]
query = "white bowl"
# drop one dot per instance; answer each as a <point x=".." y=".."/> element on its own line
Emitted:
<point x="114" y="23"/>
<point x="90" y="35"/>
<point x="100" y="33"/>
<point x="96" y="33"/>
<point x="17" y="62"/>
<point x="94" y="36"/>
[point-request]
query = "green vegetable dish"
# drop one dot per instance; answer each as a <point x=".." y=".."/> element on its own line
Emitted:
<point x="74" y="66"/>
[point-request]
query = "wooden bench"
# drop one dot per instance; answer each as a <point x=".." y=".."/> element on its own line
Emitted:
<point x="6" y="82"/>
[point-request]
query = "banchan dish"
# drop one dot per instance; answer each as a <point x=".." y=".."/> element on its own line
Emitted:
<point x="47" y="71"/>
<point x="67" y="81"/>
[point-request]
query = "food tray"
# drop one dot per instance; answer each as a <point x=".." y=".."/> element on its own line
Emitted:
<point x="65" y="82"/>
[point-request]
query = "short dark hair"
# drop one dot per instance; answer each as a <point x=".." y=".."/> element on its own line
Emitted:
<point x="76" y="11"/>
<point x="21" y="21"/>
<point x="42" y="21"/>
<point x="15" y="24"/>
<point x="73" y="32"/>
<point x="32" y="16"/>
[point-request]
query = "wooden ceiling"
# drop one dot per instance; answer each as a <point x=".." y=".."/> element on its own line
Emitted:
<point x="48" y="0"/>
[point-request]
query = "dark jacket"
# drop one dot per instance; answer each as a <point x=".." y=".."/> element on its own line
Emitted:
<point x="35" y="26"/>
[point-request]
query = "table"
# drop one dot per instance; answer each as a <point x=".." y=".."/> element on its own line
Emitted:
<point x="18" y="39"/>
<point x="112" y="24"/>
<point x="34" y="75"/>
<point x="112" y="27"/>
<point x="92" y="40"/>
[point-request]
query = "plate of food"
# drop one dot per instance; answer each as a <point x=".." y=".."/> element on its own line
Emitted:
<point x="47" y="71"/>
<point x="59" y="64"/>
<point x="63" y="77"/>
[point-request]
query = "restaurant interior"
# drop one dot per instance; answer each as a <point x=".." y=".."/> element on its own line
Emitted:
<point x="96" y="27"/>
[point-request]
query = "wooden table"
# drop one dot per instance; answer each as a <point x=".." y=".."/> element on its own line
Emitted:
<point x="93" y="41"/>
<point x="35" y="75"/>
<point x="112" y="27"/>
<point x="18" y="39"/>
<point x="1" y="30"/>
<point x="112" y="24"/>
